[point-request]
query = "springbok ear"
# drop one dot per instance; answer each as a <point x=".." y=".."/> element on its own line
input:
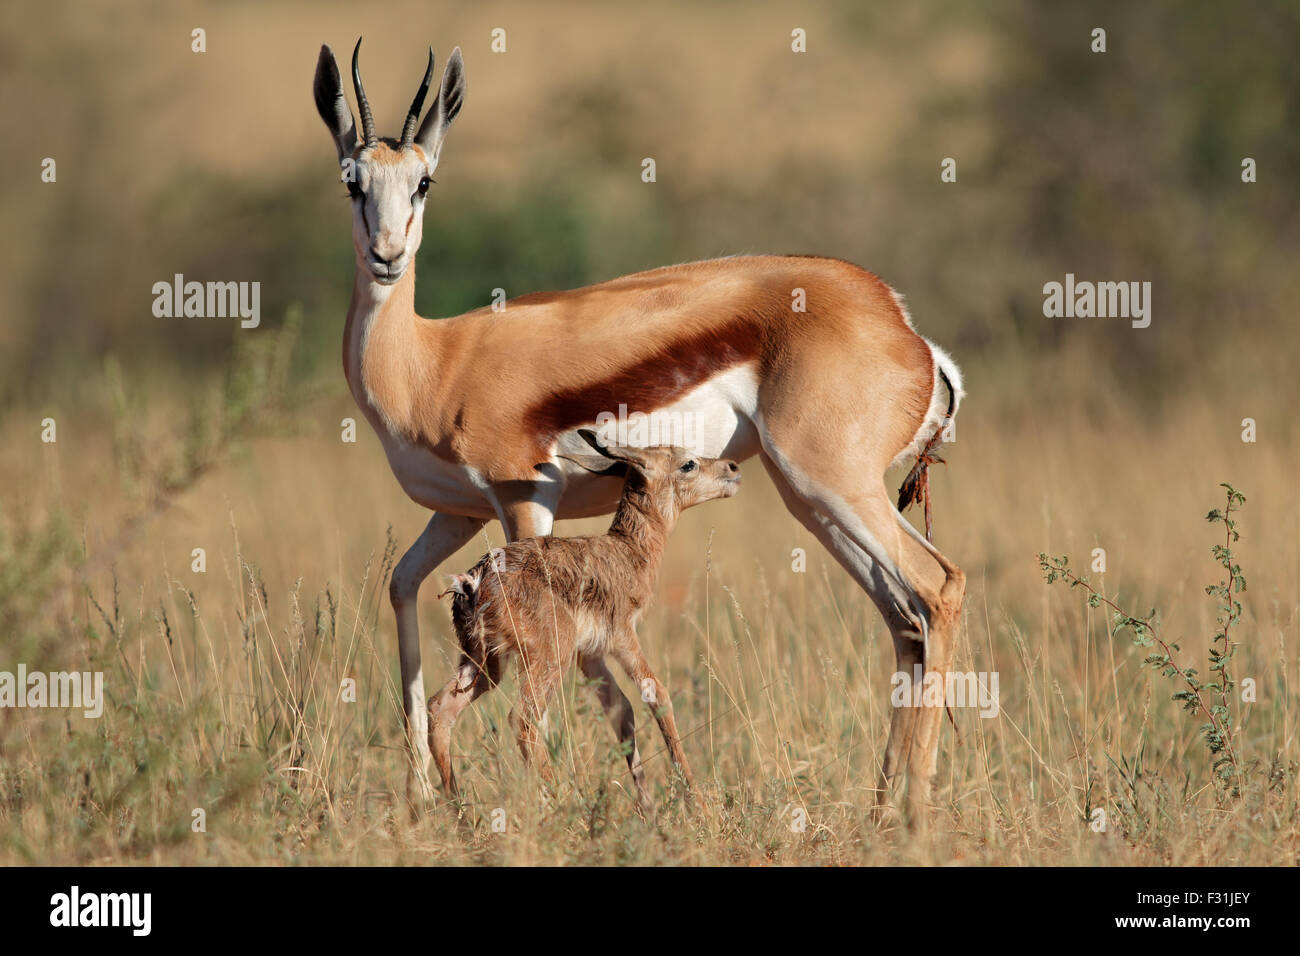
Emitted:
<point x="633" y="456"/>
<point x="332" y="105"/>
<point x="451" y="95"/>
<point x="597" y="464"/>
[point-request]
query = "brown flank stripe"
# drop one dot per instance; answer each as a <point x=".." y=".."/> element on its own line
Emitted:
<point x="650" y="383"/>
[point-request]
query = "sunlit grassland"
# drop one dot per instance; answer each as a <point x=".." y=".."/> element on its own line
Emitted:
<point x="224" y="686"/>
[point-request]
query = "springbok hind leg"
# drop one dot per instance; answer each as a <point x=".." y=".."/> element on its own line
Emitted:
<point x="924" y="632"/>
<point x="908" y="653"/>
<point x="945" y="618"/>
<point x="917" y="591"/>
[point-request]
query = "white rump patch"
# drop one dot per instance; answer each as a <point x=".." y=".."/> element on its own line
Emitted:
<point x="934" y="415"/>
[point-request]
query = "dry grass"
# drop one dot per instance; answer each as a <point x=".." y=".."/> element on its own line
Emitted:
<point x="224" y="686"/>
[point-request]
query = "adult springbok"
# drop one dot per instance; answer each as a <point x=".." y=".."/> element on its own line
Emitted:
<point x="477" y="412"/>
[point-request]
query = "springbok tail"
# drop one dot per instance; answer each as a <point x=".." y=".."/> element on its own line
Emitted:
<point x="925" y="444"/>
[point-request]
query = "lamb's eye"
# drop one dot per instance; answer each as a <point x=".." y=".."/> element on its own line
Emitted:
<point x="689" y="467"/>
<point x="424" y="185"/>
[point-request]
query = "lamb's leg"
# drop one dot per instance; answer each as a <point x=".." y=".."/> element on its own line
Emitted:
<point x="619" y="710"/>
<point x="653" y="692"/>
<point x="536" y="682"/>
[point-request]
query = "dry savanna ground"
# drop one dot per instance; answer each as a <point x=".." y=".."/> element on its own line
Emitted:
<point x="224" y="686"/>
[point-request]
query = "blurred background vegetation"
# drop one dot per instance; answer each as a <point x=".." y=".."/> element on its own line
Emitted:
<point x="1124" y="165"/>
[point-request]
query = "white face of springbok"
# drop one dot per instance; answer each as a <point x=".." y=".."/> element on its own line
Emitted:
<point x="387" y="179"/>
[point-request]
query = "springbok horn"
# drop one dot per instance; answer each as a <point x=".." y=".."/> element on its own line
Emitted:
<point x="363" y="104"/>
<point x="413" y="117"/>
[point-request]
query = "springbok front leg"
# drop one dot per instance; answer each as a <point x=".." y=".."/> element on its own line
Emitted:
<point x="619" y="710"/>
<point x="441" y="538"/>
<point x="527" y="508"/>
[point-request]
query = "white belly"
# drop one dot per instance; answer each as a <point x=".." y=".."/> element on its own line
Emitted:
<point x="433" y="482"/>
<point x="713" y="420"/>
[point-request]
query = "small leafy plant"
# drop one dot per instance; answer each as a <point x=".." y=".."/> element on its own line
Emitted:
<point x="1210" y="698"/>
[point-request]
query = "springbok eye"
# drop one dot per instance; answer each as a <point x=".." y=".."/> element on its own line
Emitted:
<point x="353" y="189"/>
<point x="424" y="185"/>
<point x="687" y="468"/>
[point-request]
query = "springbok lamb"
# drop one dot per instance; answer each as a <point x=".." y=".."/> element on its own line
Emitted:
<point x="545" y="599"/>
<point x="810" y="363"/>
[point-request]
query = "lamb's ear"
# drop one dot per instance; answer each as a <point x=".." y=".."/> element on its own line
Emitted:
<point x="597" y="464"/>
<point x="332" y="105"/>
<point x="451" y="96"/>
<point x="634" y="456"/>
